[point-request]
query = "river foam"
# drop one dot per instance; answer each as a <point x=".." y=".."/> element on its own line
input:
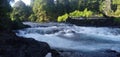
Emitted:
<point x="68" y="36"/>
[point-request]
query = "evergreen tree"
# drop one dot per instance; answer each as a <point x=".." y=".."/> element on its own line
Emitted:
<point x="20" y="11"/>
<point x="5" y="8"/>
<point x="43" y="10"/>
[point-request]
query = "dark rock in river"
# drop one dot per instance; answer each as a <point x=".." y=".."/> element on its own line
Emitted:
<point x="13" y="46"/>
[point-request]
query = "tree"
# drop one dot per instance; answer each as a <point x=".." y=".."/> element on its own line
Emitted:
<point x="108" y="9"/>
<point x="43" y="10"/>
<point x="20" y="11"/>
<point x="117" y="9"/>
<point x="5" y="8"/>
<point x="74" y="5"/>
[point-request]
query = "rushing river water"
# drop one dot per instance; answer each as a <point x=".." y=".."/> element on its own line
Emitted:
<point x="68" y="36"/>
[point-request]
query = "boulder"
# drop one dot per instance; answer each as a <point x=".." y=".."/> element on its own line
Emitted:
<point x="13" y="46"/>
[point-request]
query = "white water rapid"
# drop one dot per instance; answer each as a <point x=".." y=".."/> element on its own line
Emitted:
<point x="68" y="36"/>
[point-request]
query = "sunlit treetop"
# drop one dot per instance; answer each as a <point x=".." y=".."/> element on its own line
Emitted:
<point x="115" y="1"/>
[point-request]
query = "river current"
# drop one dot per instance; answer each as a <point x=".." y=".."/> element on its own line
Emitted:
<point x="69" y="36"/>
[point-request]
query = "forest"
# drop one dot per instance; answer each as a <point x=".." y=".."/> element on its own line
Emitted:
<point x="59" y="10"/>
<point x="64" y="28"/>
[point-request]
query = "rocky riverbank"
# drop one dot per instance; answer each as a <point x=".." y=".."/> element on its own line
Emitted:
<point x="96" y="22"/>
<point x="105" y="53"/>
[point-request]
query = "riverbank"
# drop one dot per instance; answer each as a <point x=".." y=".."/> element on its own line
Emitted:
<point x="95" y="22"/>
<point x="101" y="53"/>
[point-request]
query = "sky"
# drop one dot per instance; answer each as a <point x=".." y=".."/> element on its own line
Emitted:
<point x="27" y="2"/>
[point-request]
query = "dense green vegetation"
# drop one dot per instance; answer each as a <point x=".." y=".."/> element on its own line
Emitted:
<point x="85" y="13"/>
<point x="6" y="24"/>
<point x="20" y="12"/>
<point x="5" y="9"/>
<point x="50" y="10"/>
<point x="55" y="10"/>
<point x="62" y="18"/>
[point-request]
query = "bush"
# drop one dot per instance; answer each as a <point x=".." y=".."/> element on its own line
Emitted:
<point x="77" y="13"/>
<point x="87" y="13"/>
<point x="62" y="18"/>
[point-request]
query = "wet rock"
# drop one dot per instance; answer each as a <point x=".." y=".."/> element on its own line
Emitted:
<point x="55" y="53"/>
<point x="111" y="51"/>
<point x="13" y="46"/>
<point x="70" y="31"/>
<point x="71" y="54"/>
<point x="118" y="55"/>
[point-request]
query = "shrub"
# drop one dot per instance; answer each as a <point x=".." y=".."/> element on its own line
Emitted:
<point x="87" y="13"/>
<point x="62" y="18"/>
<point x="77" y="13"/>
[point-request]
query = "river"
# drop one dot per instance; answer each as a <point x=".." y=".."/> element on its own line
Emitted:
<point x="72" y="37"/>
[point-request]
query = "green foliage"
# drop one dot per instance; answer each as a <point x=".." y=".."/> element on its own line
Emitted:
<point x="106" y="7"/>
<point x="5" y="22"/>
<point x="48" y="10"/>
<point x="110" y="8"/>
<point x="100" y="15"/>
<point x="85" y="13"/>
<point x="44" y="10"/>
<point x="76" y="13"/>
<point x="20" y="11"/>
<point x="62" y="18"/>
<point x="32" y="18"/>
<point x="115" y="1"/>
<point x="117" y="12"/>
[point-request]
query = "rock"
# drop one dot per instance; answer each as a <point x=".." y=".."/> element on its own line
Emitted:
<point x="111" y="51"/>
<point x="118" y="55"/>
<point x="13" y="46"/>
<point x="23" y="47"/>
<point x="70" y="31"/>
<point x="55" y="53"/>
